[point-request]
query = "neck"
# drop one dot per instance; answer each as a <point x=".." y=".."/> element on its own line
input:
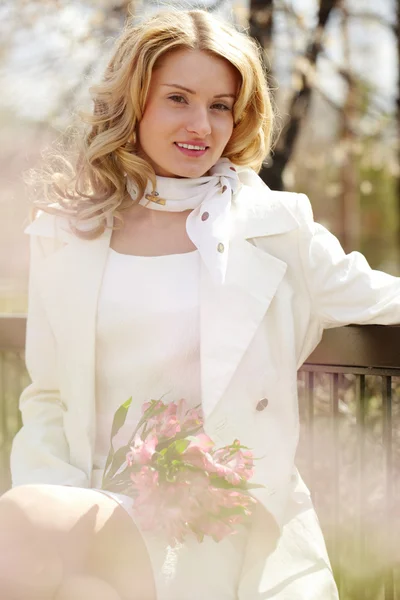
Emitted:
<point x="155" y="218"/>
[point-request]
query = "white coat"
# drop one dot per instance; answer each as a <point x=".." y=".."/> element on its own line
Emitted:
<point x="287" y="279"/>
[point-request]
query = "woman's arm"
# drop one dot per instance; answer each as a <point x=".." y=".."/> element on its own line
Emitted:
<point x="40" y="452"/>
<point x="343" y="287"/>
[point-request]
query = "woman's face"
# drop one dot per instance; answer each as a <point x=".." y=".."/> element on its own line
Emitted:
<point x="189" y="103"/>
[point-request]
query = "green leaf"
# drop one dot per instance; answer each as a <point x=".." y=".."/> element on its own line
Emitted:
<point x="220" y="482"/>
<point x="181" y="445"/>
<point x="122" y="477"/>
<point x="234" y="510"/>
<point x="120" y="417"/>
<point x="118" y="421"/>
<point x="108" y="463"/>
<point x="191" y="438"/>
<point x="253" y="486"/>
<point x="179" y="436"/>
<point x="151" y="412"/>
<point x="118" y="460"/>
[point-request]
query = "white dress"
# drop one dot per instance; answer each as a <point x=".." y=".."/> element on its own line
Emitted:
<point x="150" y="305"/>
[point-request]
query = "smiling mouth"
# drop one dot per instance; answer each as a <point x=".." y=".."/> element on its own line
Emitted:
<point x="191" y="150"/>
<point x="196" y="148"/>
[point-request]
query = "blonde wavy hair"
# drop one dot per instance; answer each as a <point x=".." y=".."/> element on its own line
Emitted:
<point x="92" y="188"/>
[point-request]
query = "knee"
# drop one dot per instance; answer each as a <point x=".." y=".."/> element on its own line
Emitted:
<point x="18" y="508"/>
<point x="48" y="518"/>
<point x="13" y="494"/>
<point x="12" y="513"/>
<point x="20" y="497"/>
<point x="29" y="567"/>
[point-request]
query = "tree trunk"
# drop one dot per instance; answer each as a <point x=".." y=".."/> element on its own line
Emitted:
<point x="261" y="23"/>
<point x="350" y="217"/>
<point x="272" y="173"/>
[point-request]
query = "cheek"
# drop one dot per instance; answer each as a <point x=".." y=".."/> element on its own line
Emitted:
<point x="224" y="129"/>
<point x="143" y="130"/>
<point x="148" y="124"/>
<point x="153" y="120"/>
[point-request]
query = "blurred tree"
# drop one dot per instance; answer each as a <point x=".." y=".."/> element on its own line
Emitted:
<point x="397" y="33"/>
<point x="261" y="21"/>
<point x="304" y="76"/>
<point x="349" y="199"/>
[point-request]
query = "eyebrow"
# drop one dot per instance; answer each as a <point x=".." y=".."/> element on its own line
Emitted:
<point x="181" y="87"/>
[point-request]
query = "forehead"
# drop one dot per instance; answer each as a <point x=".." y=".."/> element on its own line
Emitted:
<point x="195" y="69"/>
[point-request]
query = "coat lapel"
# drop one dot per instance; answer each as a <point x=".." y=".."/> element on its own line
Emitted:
<point x="231" y="313"/>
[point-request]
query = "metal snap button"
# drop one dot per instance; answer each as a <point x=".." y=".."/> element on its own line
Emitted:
<point x="220" y="247"/>
<point x="262" y="404"/>
<point x="205" y="216"/>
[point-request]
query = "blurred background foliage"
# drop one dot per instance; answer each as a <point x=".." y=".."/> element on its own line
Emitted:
<point x="333" y="66"/>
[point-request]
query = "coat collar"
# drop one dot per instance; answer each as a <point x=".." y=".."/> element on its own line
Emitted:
<point x="258" y="211"/>
<point x="230" y="314"/>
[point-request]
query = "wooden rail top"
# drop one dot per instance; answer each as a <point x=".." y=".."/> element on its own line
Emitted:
<point x="364" y="346"/>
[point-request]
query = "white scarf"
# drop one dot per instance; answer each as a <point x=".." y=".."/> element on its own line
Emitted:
<point x="209" y="224"/>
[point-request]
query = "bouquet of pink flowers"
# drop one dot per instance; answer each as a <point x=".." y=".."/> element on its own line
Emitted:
<point x="181" y="483"/>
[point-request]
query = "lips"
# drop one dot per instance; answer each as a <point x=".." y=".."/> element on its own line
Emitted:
<point x="191" y="153"/>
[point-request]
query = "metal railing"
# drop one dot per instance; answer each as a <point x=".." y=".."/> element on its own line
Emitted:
<point x="349" y="455"/>
<point x="349" y="451"/>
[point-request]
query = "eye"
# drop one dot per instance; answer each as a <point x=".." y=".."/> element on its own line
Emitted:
<point x="220" y="106"/>
<point x="177" y="98"/>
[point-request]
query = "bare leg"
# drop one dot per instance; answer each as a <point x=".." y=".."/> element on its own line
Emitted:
<point x="50" y="533"/>
<point x="81" y="587"/>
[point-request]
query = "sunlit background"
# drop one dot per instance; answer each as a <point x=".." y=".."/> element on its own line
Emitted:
<point x="345" y="155"/>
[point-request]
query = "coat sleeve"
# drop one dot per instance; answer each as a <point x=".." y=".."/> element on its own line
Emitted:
<point x="343" y="288"/>
<point x="40" y="452"/>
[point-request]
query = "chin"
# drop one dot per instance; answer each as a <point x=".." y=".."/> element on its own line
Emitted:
<point x="180" y="169"/>
<point x="193" y="171"/>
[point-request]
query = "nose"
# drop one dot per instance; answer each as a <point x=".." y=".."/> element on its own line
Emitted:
<point x="199" y="123"/>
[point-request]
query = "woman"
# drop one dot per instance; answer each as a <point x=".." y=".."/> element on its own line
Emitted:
<point x="214" y="288"/>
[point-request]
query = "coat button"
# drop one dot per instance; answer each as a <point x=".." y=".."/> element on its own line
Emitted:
<point x="262" y="404"/>
<point x="205" y="216"/>
<point x="220" y="247"/>
<point x="224" y="189"/>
